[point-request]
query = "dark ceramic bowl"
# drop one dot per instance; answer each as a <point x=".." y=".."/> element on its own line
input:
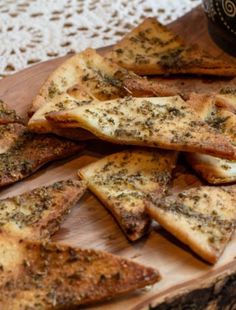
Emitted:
<point x="222" y="23"/>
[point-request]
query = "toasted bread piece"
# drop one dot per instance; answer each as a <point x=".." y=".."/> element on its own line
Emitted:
<point x="43" y="275"/>
<point x="123" y="180"/>
<point x="215" y="170"/>
<point x="38" y="213"/>
<point x="9" y="133"/>
<point x="202" y="217"/>
<point x="151" y="48"/>
<point x="8" y="115"/>
<point x="167" y="122"/>
<point x="32" y="151"/>
<point x="81" y="78"/>
<point x="39" y="124"/>
<point x="87" y="71"/>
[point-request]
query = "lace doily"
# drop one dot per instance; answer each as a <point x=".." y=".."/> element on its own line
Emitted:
<point x="37" y="30"/>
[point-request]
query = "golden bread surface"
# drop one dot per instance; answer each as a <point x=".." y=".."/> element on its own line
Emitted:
<point x="43" y="275"/>
<point x="37" y="214"/>
<point x="163" y="122"/>
<point x="151" y="48"/>
<point x="124" y="180"/>
<point x="202" y="217"/>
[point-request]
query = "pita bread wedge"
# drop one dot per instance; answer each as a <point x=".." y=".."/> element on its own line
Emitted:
<point x="30" y="152"/>
<point x="39" y="124"/>
<point x="215" y="170"/>
<point x="151" y="48"/>
<point x="9" y="134"/>
<point x="167" y="122"/>
<point x="8" y="115"/>
<point x="44" y="275"/>
<point x="202" y="217"/>
<point x="87" y="71"/>
<point x="80" y="79"/>
<point x="123" y="180"/>
<point x="37" y="214"/>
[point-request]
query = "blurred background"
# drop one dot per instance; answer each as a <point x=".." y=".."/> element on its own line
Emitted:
<point x="37" y="30"/>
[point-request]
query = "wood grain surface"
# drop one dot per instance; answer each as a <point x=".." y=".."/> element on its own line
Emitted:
<point x="188" y="282"/>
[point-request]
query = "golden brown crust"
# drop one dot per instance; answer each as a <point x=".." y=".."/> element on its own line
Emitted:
<point x="49" y="275"/>
<point x="9" y="134"/>
<point x="87" y="76"/>
<point x="87" y="71"/>
<point x="37" y="214"/>
<point x="221" y="116"/>
<point x="213" y="169"/>
<point x="152" y="48"/>
<point x="8" y="115"/>
<point x="146" y="88"/>
<point x="201" y="217"/>
<point x="166" y="122"/>
<point x="122" y="181"/>
<point x="30" y="152"/>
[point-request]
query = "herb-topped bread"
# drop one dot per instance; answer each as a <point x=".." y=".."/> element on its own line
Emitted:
<point x="202" y="217"/>
<point x="30" y="152"/>
<point x="219" y="113"/>
<point x="167" y="122"/>
<point x="84" y="77"/>
<point x="123" y="181"/>
<point x="44" y="275"/>
<point x="9" y="134"/>
<point x="8" y="115"/>
<point x="151" y="48"/>
<point x="38" y="213"/>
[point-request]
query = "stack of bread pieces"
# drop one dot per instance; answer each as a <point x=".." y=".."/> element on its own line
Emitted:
<point x="113" y="98"/>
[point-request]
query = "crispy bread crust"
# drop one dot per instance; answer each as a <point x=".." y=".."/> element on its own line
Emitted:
<point x="202" y="217"/>
<point x="9" y="134"/>
<point x="123" y="121"/>
<point x="213" y="169"/>
<point x="7" y="115"/>
<point x="122" y="181"/>
<point x="151" y="48"/>
<point x="30" y="152"/>
<point x="37" y="214"/>
<point x="50" y="275"/>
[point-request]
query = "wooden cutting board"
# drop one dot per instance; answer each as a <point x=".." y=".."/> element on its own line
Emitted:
<point x="188" y="282"/>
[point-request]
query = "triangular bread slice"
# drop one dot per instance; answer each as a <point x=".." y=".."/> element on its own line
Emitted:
<point x="39" y="124"/>
<point x="9" y="134"/>
<point x="97" y="76"/>
<point x="30" y="152"/>
<point x="81" y="78"/>
<point x="219" y="115"/>
<point x="202" y="217"/>
<point x="213" y="169"/>
<point x="7" y="115"/>
<point x="164" y="122"/>
<point x="122" y="181"/>
<point x="151" y="48"/>
<point x="44" y="275"/>
<point x="38" y="213"/>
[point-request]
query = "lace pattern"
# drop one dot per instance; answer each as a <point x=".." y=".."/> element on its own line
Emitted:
<point x="36" y="30"/>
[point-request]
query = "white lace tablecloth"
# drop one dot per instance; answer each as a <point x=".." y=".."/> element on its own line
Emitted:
<point x="37" y="30"/>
